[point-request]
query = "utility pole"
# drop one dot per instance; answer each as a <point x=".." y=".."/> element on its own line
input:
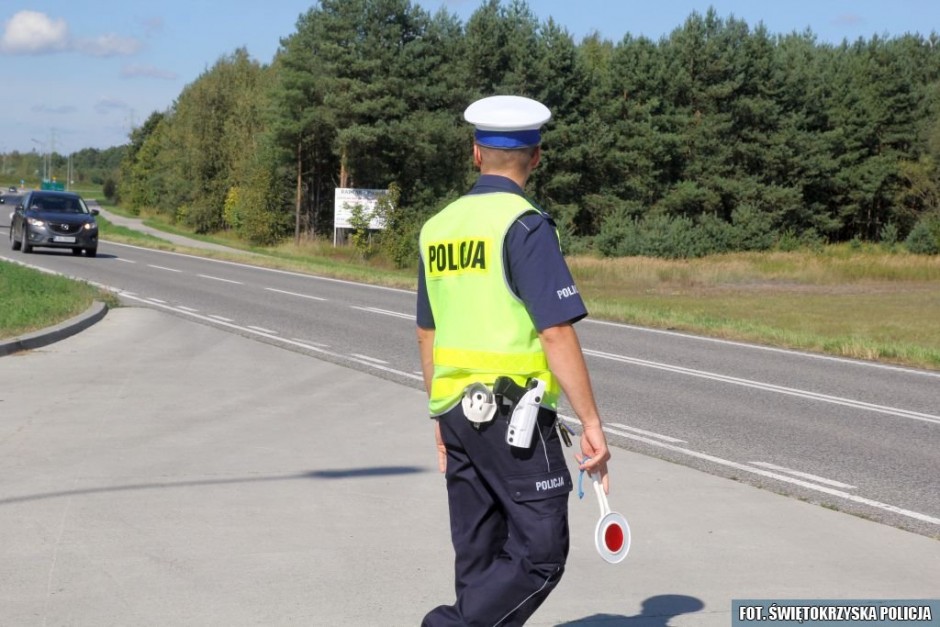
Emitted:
<point x="51" y="152"/>
<point x="42" y="145"/>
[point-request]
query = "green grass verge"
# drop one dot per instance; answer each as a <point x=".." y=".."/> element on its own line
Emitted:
<point x="116" y="233"/>
<point x="33" y="300"/>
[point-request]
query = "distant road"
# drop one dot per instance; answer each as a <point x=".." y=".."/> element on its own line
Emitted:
<point x="9" y="202"/>
<point x="856" y="436"/>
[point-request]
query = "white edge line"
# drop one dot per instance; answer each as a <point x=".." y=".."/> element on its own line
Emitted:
<point x="772" y="475"/>
<point x="372" y="359"/>
<point x="774" y="349"/>
<point x="150" y="265"/>
<point x="276" y="338"/>
<point x="271" y="289"/>
<point x="651" y="434"/>
<point x="384" y="312"/>
<point x="262" y="330"/>
<point x="309" y="342"/>
<point x="768" y="387"/>
<point x="804" y="475"/>
<point x="215" y="278"/>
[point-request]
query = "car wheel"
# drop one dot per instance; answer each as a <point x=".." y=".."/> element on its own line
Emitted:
<point x="15" y="245"/>
<point x="24" y="243"/>
<point x="91" y="252"/>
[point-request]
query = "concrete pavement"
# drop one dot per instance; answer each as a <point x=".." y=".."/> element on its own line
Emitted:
<point x="156" y="471"/>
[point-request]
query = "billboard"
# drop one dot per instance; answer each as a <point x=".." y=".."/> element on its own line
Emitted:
<point x="346" y="198"/>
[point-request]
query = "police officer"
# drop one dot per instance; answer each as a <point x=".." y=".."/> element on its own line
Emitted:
<point x="497" y="300"/>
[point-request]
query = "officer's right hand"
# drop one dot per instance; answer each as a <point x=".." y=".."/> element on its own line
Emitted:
<point x="594" y="453"/>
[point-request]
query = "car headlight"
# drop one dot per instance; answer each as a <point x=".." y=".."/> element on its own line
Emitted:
<point x="90" y="226"/>
<point x="35" y="222"/>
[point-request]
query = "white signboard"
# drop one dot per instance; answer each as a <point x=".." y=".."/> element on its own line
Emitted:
<point x="347" y="198"/>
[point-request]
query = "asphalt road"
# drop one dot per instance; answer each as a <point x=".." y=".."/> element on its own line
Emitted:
<point x="855" y="436"/>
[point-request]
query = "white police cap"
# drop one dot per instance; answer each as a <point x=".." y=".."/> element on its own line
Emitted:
<point x="507" y="122"/>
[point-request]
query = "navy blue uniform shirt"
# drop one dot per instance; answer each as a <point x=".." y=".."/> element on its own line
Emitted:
<point x="536" y="269"/>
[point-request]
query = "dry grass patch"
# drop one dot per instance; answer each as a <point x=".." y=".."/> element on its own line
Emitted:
<point x="867" y="305"/>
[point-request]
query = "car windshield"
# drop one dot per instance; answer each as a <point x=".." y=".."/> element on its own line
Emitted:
<point x="56" y="204"/>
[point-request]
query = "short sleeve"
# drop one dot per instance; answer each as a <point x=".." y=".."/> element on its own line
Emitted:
<point x="539" y="275"/>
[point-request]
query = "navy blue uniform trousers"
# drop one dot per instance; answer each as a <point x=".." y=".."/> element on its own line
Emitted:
<point x="508" y="520"/>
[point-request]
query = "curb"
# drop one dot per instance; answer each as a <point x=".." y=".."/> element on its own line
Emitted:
<point x="52" y="334"/>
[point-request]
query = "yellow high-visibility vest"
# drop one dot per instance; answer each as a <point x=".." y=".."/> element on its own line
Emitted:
<point x="482" y="329"/>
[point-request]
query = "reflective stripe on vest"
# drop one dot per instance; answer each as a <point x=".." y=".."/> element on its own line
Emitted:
<point x="483" y="330"/>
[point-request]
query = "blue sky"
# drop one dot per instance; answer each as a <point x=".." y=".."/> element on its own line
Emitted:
<point x="82" y="73"/>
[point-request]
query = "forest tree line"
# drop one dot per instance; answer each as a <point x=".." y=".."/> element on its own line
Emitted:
<point x="88" y="165"/>
<point x="720" y="136"/>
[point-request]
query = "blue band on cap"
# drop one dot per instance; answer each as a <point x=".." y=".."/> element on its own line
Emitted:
<point x="508" y="139"/>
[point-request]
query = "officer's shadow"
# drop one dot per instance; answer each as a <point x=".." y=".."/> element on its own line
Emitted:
<point x="657" y="612"/>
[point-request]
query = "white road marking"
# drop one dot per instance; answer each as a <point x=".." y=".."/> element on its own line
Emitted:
<point x="651" y="434"/>
<point x="156" y="300"/>
<point x="372" y="359"/>
<point x="309" y="342"/>
<point x="125" y="260"/>
<point x="805" y="475"/>
<point x="228" y="323"/>
<point x="215" y="278"/>
<point x="769" y="387"/>
<point x="779" y="477"/>
<point x="189" y="309"/>
<point x="220" y="318"/>
<point x="773" y="349"/>
<point x="385" y="312"/>
<point x="271" y="289"/>
<point x="262" y="330"/>
<point x="150" y="265"/>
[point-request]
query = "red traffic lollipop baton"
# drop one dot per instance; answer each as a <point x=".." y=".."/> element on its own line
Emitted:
<point x="612" y="534"/>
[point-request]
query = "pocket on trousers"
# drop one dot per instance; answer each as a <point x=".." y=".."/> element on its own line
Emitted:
<point x="541" y="517"/>
<point x="540" y="486"/>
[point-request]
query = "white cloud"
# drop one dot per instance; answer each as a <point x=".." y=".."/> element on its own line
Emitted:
<point x="146" y="71"/>
<point x="107" y="46"/>
<point x="108" y="104"/>
<point x="152" y="25"/>
<point x="849" y="19"/>
<point x="32" y="32"/>
<point x="53" y="110"/>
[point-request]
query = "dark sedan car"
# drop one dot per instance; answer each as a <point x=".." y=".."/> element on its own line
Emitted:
<point x="54" y="220"/>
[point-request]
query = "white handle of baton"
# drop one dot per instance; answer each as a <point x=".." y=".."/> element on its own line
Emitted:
<point x="599" y="491"/>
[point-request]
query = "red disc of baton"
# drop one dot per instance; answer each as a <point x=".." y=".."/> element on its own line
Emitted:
<point x="613" y="538"/>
